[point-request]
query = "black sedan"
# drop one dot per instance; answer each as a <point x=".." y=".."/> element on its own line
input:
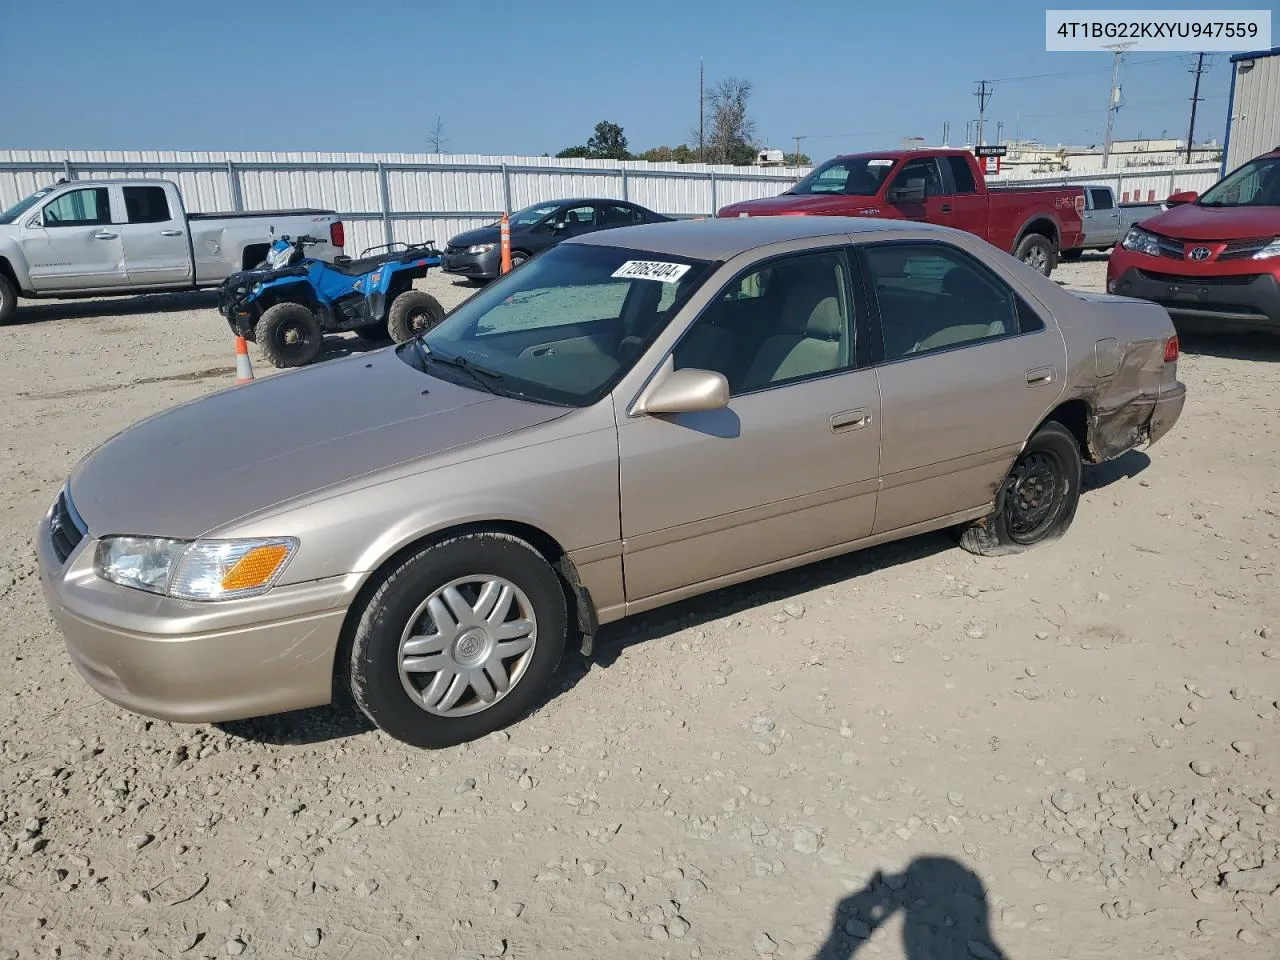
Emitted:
<point x="477" y="254"/>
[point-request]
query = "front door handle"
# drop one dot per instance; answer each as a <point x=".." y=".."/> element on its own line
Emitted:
<point x="946" y="208"/>
<point x="1040" y="375"/>
<point x="170" y="233"/>
<point x="105" y="235"/>
<point x="851" y="419"/>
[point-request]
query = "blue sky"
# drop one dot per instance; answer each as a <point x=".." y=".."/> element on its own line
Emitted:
<point x="528" y="78"/>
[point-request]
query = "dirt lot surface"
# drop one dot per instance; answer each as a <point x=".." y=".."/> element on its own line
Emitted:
<point x="1071" y="753"/>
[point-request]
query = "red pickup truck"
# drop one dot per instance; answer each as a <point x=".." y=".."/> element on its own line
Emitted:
<point x="946" y="187"/>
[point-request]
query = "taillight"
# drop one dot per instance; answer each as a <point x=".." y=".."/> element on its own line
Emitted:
<point x="1171" y="350"/>
<point x="337" y="234"/>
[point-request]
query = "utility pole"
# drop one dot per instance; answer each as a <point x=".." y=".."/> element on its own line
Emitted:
<point x="1195" y="98"/>
<point x="702" y="157"/>
<point x="1113" y="99"/>
<point x="1000" y="133"/>
<point x="796" y="158"/>
<point x="983" y="94"/>
<point x="946" y="133"/>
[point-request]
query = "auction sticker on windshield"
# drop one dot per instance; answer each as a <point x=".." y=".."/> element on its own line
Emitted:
<point x="651" y="270"/>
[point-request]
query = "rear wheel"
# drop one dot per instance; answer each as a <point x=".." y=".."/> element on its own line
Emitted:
<point x="8" y="298"/>
<point x="412" y="313"/>
<point x="1038" y="252"/>
<point x="289" y="335"/>
<point x="459" y="640"/>
<point x="1038" y="499"/>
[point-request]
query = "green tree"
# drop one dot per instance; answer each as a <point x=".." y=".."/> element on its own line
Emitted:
<point x="796" y="159"/>
<point x="665" y="154"/>
<point x="732" y="134"/>
<point x="578" y="151"/>
<point x="608" y="142"/>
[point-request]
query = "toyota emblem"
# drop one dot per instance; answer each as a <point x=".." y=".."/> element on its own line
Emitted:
<point x="1200" y="253"/>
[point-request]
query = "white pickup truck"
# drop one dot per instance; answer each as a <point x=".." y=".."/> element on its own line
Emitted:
<point x="93" y="238"/>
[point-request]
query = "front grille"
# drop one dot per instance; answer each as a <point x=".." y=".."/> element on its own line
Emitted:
<point x="1243" y="249"/>
<point x="66" y="529"/>
<point x="455" y="251"/>
<point x="1234" y="280"/>
<point x="1170" y="248"/>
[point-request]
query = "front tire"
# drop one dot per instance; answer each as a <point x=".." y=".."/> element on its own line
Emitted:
<point x="1037" y="501"/>
<point x="459" y="640"/>
<point x="1038" y="252"/>
<point x="412" y="313"/>
<point x="289" y="335"/>
<point x="8" y="298"/>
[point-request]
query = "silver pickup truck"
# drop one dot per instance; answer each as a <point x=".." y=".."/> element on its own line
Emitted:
<point x="1106" y="222"/>
<point x="93" y="238"/>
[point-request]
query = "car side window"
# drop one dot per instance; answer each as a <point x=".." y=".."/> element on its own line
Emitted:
<point x="932" y="296"/>
<point x="580" y="218"/>
<point x="618" y="215"/>
<point x="146" y="205"/>
<point x="785" y="321"/>
<point x="1101" y="199"/>
<point x="78" y="208"/>
<point x="962" y="174"/>
<point x="926" y="167"/>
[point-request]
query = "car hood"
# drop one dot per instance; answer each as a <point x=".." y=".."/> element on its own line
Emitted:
<point x="1191" y="222"/>
<point x="479" y="235"/>
<point x="813" y="204"/>
<point x="204" y="464"/>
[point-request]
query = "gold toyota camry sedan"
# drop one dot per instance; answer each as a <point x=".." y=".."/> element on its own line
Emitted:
<point x="626" y="420"/>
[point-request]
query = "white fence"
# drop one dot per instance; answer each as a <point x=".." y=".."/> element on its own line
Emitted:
<point x="412" y="197"/>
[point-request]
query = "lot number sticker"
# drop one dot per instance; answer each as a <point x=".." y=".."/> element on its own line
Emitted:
<point x="651" y="270"/>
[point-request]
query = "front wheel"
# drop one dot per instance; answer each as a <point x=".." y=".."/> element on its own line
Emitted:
<point x="412" y="313"/>
<point x="8" y="298"/>
<point x="459" y="640"/>
<point x="1038" y="499"/>
<point x="289" y="335"/>
<point x="1038" y="252"/>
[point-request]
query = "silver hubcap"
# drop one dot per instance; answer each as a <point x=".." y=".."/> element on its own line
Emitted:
<point x="1036" y="258"/>
<point x="467" y="646"/>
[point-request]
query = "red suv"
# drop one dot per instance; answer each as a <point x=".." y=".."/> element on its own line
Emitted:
<point x="1214" y="257"/>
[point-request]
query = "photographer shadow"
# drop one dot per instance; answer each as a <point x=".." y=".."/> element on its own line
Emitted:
<point x="944" y="908"/>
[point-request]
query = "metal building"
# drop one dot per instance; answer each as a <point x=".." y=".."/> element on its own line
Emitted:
<point x="1253" y="110"/>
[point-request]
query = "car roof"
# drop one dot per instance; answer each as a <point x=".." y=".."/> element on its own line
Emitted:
<point x="722" y="238"/>
<point x="575" y="200"/>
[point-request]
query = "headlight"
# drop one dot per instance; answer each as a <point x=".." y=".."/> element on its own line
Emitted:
<point x="194" y="570"/>
<point x="480" y="248"/>
<point x="1139" y="241"/>
<point x="1272" y="249"/>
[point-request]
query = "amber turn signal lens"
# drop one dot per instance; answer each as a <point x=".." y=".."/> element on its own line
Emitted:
<point x="255" y="568"/>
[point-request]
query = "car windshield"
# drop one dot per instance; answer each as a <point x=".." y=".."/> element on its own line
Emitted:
<point x="22" y="206"/>
<point x="853" y="176"/>
<point x="531" y="215"/>
<point x="563" y="327"/>
<point x="1256" y="184"/>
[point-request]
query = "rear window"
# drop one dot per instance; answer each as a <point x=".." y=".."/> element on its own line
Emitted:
<point x="962" y="173"/>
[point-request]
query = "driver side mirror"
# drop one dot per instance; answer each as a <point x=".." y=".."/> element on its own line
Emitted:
<point x="1181" y="197"/>
<point x="913" y="191"/>
<point x="687" y="391"/>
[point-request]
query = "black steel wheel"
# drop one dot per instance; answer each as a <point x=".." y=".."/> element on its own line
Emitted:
<point x="289" y="335"/>
<point x="413" y="313"/>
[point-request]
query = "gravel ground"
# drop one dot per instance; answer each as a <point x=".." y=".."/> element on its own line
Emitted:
<point x="910" y="752"/>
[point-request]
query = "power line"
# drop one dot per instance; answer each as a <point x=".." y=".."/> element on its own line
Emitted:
<point x="1082" y="73"/>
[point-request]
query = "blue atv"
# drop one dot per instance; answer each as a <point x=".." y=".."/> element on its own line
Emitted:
<point x="290" y="301"/>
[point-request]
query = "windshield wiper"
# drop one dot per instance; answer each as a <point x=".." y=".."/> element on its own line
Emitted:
<point x="486" y="378"/>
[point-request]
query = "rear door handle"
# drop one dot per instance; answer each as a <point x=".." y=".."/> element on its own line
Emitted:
<point x="104" y="235"/>
<point x="946" y="208"/>
<point x="1039" y="376"/>
<point x="851" y="419"/>
<point x="170" y="233"/>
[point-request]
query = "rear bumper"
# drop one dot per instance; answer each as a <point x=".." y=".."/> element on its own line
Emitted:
<point x="1232" y="300"/>
<point x="1168" y="409"/>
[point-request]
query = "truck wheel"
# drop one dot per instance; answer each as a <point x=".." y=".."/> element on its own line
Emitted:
<point x="412" y="313"/>
<point x="1037" y="501"/>
<point x="1037" y="252"/>
<point x="289" y="335"/>
<point x="374" y="332"/>
<point x="1073" y="254"/>
<point x="460" y="639"/>
<point x="8" y="298"/>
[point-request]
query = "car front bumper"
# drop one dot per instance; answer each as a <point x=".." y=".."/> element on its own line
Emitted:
<point x="1229" y="300"/>
<point x="478" y="266"/>
<point x="195" y="662"/>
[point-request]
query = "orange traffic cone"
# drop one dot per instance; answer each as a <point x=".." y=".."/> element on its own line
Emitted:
<point x="244" y="369"/>
<point x="505" y="236"/>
